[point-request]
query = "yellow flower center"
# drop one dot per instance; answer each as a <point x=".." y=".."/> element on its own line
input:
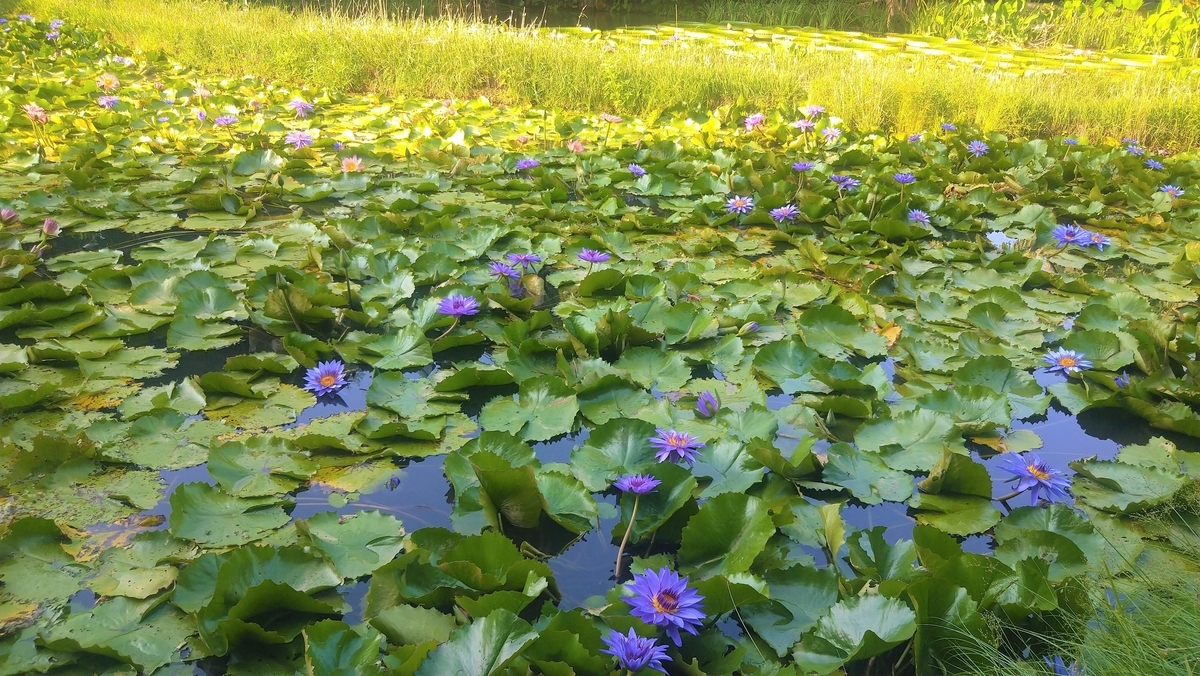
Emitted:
<point x="1037" y="472"/>
<point x="327" y="380"/>
<point x="665" y="602"/>
<point x="1067" y="362"/>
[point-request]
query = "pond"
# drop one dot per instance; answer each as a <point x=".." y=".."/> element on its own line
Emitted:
<point x="292" y="378"/>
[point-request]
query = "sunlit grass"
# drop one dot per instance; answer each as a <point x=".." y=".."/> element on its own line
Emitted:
<point x="453" y="58"/>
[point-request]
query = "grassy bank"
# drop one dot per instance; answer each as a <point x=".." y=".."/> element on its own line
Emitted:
<point x="445" y="58"/>
<point x="1143" y="622"/>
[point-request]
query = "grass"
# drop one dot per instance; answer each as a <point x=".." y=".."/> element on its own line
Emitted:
<point x="443" y="58"/>
<point x="1149" y="628"/>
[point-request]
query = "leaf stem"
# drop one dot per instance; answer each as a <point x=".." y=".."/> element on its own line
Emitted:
<point x="447" y="332"/>
<point x="625" y="539"/>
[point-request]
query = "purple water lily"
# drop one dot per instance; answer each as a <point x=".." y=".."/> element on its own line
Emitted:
<point x="325" y="377"/>
<point x="664" y="599"/>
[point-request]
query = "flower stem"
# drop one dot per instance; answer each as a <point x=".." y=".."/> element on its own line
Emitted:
<point x="447" y="330"/>
<point x="589" y="270"/>
<point x="624" y="540"/>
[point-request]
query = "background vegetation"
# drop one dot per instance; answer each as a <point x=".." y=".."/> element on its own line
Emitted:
<point x="443" y="58"/>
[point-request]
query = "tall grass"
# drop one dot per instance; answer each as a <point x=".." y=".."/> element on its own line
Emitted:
<point x="452" y="58"/>
<point x="1145" y="623"/>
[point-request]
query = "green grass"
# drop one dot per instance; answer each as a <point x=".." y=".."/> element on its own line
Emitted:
<point x="451" y="58"/>
<point x="1149" y="629"/>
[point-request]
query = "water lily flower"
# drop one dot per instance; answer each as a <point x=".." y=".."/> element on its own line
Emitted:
<point x="301" y="107"/>
<point x="786" y="212"/>
<point x="748" y="327"/>
<point x="803" y="166"/>
<point x="904" y="178"/>
<point x="525" y="260"/>
<point x="35" y="113"/>
<point x="123" y="60"/>
<point x="50" y="227"/>
<point x="55" y="24"/>
<point x="635" y="653"/>
<point x="918" y="217"/>
<point x="1122" y="381"/>
<point x="611" y="119"/>
<point x="831" y="134"/>
<point x="916" y="138"/>
<point x="672" y="446"/>
<point x="298" y="139"/>
<point x="664" y="599"/>
<point x="1172" y="190"/>
<point x="457" y="305"/>
<point x="637" y="171"/>
<point x="592" y="256"/>
<point x="1059" y="666"/>
<point x="393" y="483"/>
<point x="1066" y="361"/>
<point x="1031" y="473"/>
<point x="325" y="377"/>
<point x="201" y="115"/>
<point x="754" y="120"/>
<point x="108" y="102"/>
<point x="225" y="120"/>
<point x="8" y="216"/>
<point x="576" y="146"/>
<point x="1135" y="150"/>
<point x="739" y="205"/>
<point x="805" y="125"/>
<point x="1071" y="141"/>
<point x="527" y="163"/>
<point x="1069" y="234"/>
<point x="707" y="405"/>
<point x="847" y="183"/>
<point x="977" y="148"/>
<point x="522" y="139"/>
<point x="52" y="36"/>
<point x="352" y="164"/>
<point x="1096" y="239"/>
<point x="639" y="484"/>
<point x="947" y="126"/>
<point x="1068" y="322"/>
<point x="813" y="110"/>
<point x="503" y="270"/>
<point x="338" y="146"/>
<point x="108" y="82"/>
<point x="25" y="17"/>
<point x="1154" y="164"/>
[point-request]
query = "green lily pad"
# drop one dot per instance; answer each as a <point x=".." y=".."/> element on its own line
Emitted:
<point x="725" y="536"/>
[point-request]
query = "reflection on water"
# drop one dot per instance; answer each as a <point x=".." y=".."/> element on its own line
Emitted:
<point x="421" y="499"/>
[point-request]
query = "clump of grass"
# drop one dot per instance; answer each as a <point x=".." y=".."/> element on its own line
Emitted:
<point x="1143" y="623"/>
<point x="453" y="58"/>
